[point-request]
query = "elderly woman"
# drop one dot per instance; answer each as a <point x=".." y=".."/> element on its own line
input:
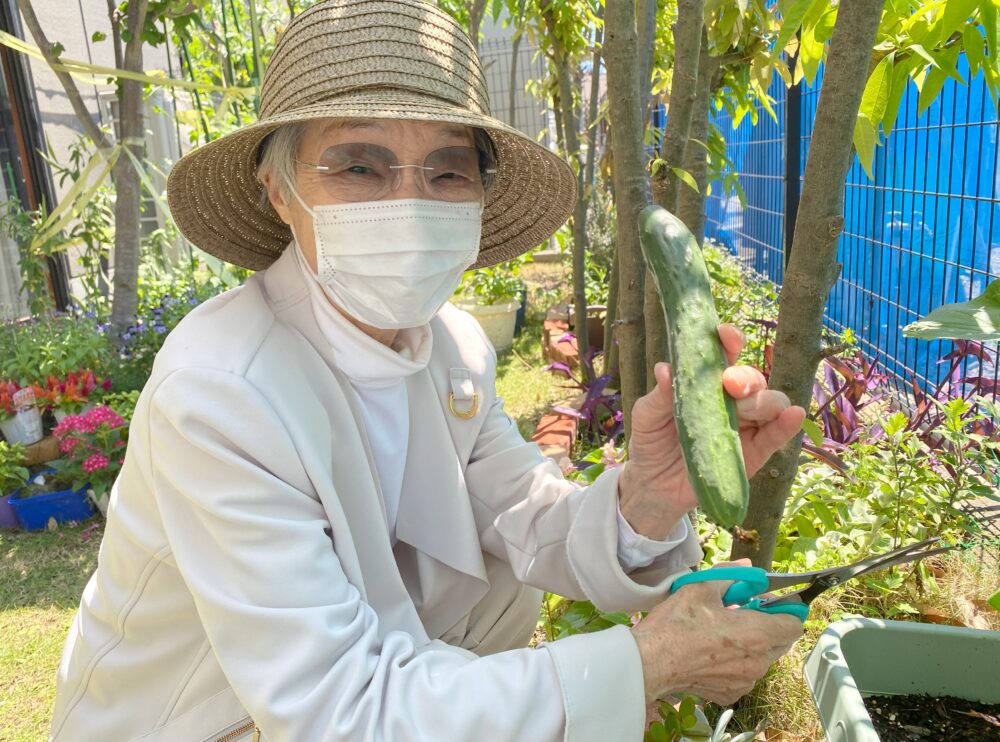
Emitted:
<point x="326" y="527"/>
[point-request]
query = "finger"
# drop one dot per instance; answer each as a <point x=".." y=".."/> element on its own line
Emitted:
<point x="654" y="410"/>
<point x="742" y="381"/>
<point x="785" y="631"/>
<point x="762" y="406"/>
<point x="759" y="443"/>
<point x="709" y="592"/>
<point x="732" y="341"/>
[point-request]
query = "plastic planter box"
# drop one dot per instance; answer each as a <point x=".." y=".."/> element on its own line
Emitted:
<point x="33" y="513"/>
<point x="862" y="656"/>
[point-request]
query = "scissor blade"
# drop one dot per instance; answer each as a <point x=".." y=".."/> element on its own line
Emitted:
<point x="780" y="580"/>
<point x="902" y="559"/>
<point x="820" y="580"/>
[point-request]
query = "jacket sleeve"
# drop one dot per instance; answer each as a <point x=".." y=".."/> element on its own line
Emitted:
<point x="294" y="637"/>
<point x="557" y="535"/>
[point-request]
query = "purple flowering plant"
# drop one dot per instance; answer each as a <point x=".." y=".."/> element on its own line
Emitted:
<point x="93" y="449"/>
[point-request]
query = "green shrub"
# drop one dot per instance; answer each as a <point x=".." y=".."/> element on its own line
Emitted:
<point x="31" y="351"/>
<point x="13" y="472"/>
<point x="495" y="284"/>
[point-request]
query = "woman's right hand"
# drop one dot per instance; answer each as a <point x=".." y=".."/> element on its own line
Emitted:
<point x="692" y="643"/>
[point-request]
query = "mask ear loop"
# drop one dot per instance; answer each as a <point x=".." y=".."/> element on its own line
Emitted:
<point x="308" y="209"/>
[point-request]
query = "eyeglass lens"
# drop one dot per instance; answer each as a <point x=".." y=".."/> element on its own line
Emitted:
<point x="368" y="172"/>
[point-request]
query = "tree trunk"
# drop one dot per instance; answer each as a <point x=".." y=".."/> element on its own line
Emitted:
<point x="683" y="90"/>
<point x="514" y="48"/>
<point x="690" y="203"/>
<point x="626" y="99"/>
<point x="476" y="10"/>
<point x="645" y="22"/>
<point x="127" y="187"/>
<point x="571" y="137"/>
<point x="812" y="267"/>
<point x="90" y="126"/>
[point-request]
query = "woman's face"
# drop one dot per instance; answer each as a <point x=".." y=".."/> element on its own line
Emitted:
<point x="407" y="142"/>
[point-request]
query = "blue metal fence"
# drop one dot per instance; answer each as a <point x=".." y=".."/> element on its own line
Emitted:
<point x="922" y="232"/>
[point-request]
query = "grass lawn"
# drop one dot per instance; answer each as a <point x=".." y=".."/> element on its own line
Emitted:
<point x="42" y="575"/>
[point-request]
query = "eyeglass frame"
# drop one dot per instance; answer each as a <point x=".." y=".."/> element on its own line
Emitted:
<point x="485" y="159"/>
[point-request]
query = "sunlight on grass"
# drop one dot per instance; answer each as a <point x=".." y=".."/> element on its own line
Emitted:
<point x="528" y="392"/>
<point x="41" y="578"/>
<point x="29" y="656"/>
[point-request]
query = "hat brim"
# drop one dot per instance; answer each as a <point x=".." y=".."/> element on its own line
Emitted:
<point x="215" y="197"/>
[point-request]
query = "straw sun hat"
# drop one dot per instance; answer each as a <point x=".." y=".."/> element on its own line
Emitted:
<point x="396" y="59"/>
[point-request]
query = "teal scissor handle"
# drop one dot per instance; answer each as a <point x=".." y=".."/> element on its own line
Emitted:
<point x="748" y="583"/>
<point x="799" y="610"/>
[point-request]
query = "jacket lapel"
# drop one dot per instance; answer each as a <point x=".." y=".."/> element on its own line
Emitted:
<point x="444" y="570"/>
<point x="350" y="484"/>
<point x="437" y="565"/>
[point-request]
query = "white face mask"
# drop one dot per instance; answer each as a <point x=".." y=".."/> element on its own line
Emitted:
<point x="393" y="264"/>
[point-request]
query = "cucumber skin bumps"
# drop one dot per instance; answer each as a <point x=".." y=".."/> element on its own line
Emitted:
<point x="705" y="415"/>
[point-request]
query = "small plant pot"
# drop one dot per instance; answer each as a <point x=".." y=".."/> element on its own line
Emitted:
<point x="33" y="513"/>
<point x="8" y="518"/>
<point x="497" y="321"/>
<point x="24" y="428"/>
<point x="859" y="657"/>
<point x="61" y="415"/>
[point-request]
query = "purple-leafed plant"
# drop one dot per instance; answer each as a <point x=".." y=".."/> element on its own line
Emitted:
<point x="851" y="384"/>
<point x="599" y="410"/>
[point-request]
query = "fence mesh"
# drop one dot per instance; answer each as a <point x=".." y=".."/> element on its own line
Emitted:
<point x="921" y="232"/>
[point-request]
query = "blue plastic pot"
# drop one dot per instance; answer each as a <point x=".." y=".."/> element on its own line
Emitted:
<point x="33" y="513"/>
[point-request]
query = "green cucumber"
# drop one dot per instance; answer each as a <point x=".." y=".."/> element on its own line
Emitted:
<point x="705" y="414"/>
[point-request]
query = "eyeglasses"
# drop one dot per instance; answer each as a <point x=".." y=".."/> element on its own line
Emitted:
<point x="368" y="172"/>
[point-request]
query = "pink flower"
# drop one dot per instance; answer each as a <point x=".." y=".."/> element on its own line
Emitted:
<point x="95" y="462"/>
<point x="69" y="424"/>
<point x="66" y="445"/>
<point x="104" y="416"/>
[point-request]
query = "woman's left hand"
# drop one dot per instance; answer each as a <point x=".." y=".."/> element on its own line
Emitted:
<point x="654" y="488"/>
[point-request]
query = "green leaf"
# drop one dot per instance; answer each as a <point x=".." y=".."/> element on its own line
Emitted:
<point x="791" y="19"/>
<point x="688" y="179"/>
<point x="956" y="13"/>
<point x="57" y="49"/>
<point x="98" y="36"/>
<point x="919" y="50"/>
<point x="657" y="732"/>
<point x="686" y="707"/>
<point x="994" y="600"/>
<point x="813" y="430"/>
<point x="865" y="141"/>
<point x="931" y="87"/>
<point x="876" y="95"/>
<point x="900" y="79"/>
<point x="988" y="20"/>
<point x="978" y="319"/>
<point x="657" y="164"/>
<point x="972" y="42"/>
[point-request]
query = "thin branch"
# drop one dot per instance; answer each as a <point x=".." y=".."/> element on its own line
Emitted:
<point x="832" y="350"/>
<point x="88" y="122"/>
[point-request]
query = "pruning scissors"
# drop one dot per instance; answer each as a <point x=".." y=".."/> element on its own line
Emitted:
<point x="749" y="582"/>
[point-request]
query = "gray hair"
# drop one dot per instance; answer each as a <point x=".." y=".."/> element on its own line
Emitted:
<point x="279" y="151"/>
<point x="277" y="158"/>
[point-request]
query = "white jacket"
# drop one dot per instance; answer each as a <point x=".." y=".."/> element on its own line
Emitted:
<point x="246" y="584"/>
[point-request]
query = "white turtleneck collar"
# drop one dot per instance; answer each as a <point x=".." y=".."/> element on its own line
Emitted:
<point x="364" y="360"/>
